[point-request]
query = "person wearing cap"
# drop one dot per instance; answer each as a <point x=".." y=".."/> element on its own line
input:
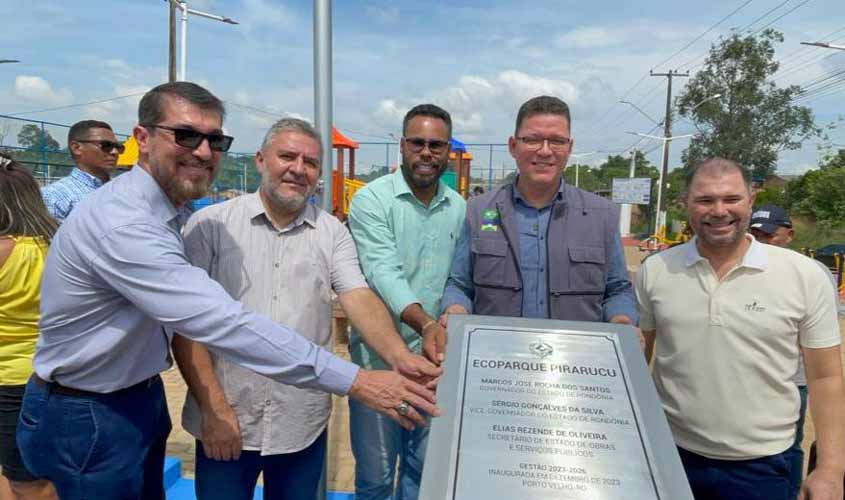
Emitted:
<point x="771" y="224"/>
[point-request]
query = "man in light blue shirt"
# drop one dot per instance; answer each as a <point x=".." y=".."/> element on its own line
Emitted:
<point x="118" y="283"/>
<point x="405" y="226"/>
<point x="94" y="149"/>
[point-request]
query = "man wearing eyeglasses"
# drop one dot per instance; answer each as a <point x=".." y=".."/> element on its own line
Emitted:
<point x="118" y="283"/>
<point x="94" y="150"/>
<point x="538" y="247"/>
<point x="405" y="226"/>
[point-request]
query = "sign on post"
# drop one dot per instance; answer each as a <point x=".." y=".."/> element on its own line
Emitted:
<point x="636" y="191"/>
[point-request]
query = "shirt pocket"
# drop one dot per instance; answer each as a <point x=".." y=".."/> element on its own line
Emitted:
<point x="587" y="269"/>
<point x="489" y="261"/>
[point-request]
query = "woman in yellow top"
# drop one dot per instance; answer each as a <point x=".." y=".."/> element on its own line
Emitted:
<point x="25" y="231"/>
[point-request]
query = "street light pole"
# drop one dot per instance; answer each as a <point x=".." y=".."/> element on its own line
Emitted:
<point x="576" y="156"/>
<point x="663" y="175"/>
<point x="323" y="92"/>
<point x="824" y="45"/>
<point x="182" y="5"/>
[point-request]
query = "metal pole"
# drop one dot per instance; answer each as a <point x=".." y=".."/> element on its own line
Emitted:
<point x="625" y="212"/>
<point x="43" y="148"/>
<point x="576" y="174"/>
<point x="184" y="49"/>
<point x="659" y="204"/>
<point x="171" y="43"/>
<point x="387" y="158"/>
<point x="490" y="170"/>
<point x="323" y="91"/>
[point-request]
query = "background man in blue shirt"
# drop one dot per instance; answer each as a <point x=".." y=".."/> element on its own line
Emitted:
<point x="538" y="247"/>
<point x="94" y="150"/>
<point x="117" y="284"/>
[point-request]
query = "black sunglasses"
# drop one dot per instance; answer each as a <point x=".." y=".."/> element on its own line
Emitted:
<point x="192" y="139"/>
<point x="106" y="146"/>
<point x="417" y="144"/>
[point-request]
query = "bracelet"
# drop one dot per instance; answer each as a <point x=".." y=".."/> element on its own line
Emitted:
<point x="428" y="324"/>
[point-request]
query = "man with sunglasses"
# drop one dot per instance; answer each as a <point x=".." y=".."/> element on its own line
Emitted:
<point x="538" y="247"/>
<point x="94" y="150"/>
<point x="405" y="226"/>
<point x="118" y="283"/>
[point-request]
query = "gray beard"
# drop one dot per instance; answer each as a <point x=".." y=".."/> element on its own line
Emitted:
<point x="286" y="205"/>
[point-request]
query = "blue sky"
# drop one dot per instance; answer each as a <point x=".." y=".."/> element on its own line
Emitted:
<point x="478" y="59"/>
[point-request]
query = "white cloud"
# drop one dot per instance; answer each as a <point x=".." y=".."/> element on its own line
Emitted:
<point x="263" y="13"/>
<point x="39" y="90"/>
<point x="589" y="37"/>
<point x="382" y="14"/>
<point x="522" y="86"/>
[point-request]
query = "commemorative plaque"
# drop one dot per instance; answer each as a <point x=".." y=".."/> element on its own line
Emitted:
<point x="545" y="409"/>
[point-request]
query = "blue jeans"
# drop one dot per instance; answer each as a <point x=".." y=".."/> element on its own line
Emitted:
<point x="766" y="478"/>
<point x="377" y="442"/>
<point x="108" y="446"/>
<point x="796" y="453"/>
<point x="288" y="476"/>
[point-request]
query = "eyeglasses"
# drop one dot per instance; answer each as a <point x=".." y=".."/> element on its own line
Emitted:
<point x="192" y="139"/>
<point x="417" y="144"/>
<point x="535" y="143"/>
<point x="106" y="146"/>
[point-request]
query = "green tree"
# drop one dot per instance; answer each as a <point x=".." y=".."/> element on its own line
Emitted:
<point x="30" y="137"/>
<point x="753" y="120"/>
<point x="817" y="192"/>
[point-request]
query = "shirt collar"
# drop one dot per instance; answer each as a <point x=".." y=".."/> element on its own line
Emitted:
<point x="86" y="178"/>
<point x="755" y="257"/>
<point x="255" y="208"/>
<point x="517" y="196"/>
<point x="401" y="188"/>
<point x="160" y="204"/>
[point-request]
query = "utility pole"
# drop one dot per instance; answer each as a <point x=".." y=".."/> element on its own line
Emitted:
<point x="660" y="227"/>
<point x="171" y="44"/>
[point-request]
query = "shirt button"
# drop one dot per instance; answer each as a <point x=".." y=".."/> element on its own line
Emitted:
<point x="275" y="297"/>
<point x="542" y="269"/>
<point x="268" y="402"/>
<point x="276" y="264"/>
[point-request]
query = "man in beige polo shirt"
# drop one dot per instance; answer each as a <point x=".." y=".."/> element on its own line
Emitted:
<point x="724" y="316"/>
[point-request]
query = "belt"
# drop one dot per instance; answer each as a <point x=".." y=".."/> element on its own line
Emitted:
<point x="58" y="388"/>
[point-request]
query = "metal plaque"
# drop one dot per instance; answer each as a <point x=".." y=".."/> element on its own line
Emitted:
<point x="636" y="191"/>
<point x="537" y="409"/>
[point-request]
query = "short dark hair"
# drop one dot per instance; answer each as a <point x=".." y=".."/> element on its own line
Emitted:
<point x="721" y="165"/>
<point x="79" y="130"/>
<point x="431" y="110"/>
<point x="542" y="105"/>
<point x="151" y="107"/>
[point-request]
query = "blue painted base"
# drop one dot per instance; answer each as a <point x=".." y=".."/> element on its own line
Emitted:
<point x="179" y="488"/>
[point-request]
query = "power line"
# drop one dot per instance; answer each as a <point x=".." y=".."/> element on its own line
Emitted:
<point x="699" y="37"/>
<point x="77" y="105"/>
<point x="790" y="11"/>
